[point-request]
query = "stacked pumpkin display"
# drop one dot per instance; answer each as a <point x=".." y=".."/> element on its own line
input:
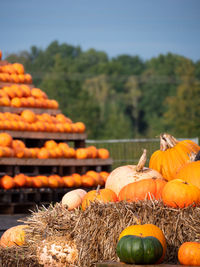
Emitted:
<point x="172" y="177"/>
<point x="27" y="120"/>
<point x="22" y="95"/>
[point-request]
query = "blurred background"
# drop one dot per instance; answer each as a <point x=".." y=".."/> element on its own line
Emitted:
<point x="127" y="69"/>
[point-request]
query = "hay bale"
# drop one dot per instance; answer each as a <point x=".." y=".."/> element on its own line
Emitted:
<point x="96" y="230"/>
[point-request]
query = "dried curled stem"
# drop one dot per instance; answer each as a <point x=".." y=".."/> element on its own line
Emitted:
<point x="167" y="141"/>
<point x="142" y="161"/>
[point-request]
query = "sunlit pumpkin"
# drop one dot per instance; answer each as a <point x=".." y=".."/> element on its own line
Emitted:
<point x="189" y="254"/>
<point x="14" y="236"/>
<point x="190" y="172"/>
<point x="5" y="140"/>
<point x="127" y="174"/>
<point x="172" y="155"/>
<point x="28" y="116"/>
<point x="179" y="194"/>
<point x="102" y="195"/>
<point x="141" y="190"/>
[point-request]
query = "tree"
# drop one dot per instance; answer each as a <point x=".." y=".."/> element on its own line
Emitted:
<point x="183" y="114"/>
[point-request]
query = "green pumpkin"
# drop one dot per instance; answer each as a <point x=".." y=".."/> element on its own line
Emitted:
<point x="139" y="250"/>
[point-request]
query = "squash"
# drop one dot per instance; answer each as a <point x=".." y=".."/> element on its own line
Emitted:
<point x="102" y="195"/>
<point x="190" y="172"/>
<point x="189" y="253"/>
<point x="14" y="236"/>
<point x="127" y="174"/>
<point x="73" y="199"/>
<point x="141" y="190"/>
<point x="173" y="154"/>
<point x="144" y="230"/>
<point x="179" y="194"/>
<point x="139" y="250"/>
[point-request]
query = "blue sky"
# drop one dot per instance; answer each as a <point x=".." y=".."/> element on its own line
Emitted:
<point x="145" y="28"/>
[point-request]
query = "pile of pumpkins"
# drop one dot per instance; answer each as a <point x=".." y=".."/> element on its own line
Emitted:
<point x="14" y="73"/>
<point x="89" y="179"/>
<point x="172" y="177"/>
<point x="21" y="95"/>
<point x="10" y="147"/>
<point x="28" y="120"/>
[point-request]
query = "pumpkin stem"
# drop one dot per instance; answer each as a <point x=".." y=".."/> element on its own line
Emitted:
<point x="167" y="141"/>
<point x="98" y="189"/>
<point x="192" y="156"/>
<point x="142" y="161"/>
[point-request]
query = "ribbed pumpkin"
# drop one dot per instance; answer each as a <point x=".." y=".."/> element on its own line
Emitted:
<point x="14" y="236"/>
<point x="102" y="195"/>
<point x="139" y="250"/>
<point x="179" y="194"/>
<point x="144" y="189"/>
<point x="173" y="154"/>
<point x="144" y="230"/>
<point x="189" y="254"/>
<point x="190" y="172"/>
<point x="127" y="174"/>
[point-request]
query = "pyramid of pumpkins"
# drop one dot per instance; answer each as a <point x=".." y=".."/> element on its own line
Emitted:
<point x="14" y="73"/>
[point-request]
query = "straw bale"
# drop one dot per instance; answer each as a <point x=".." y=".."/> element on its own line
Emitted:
<point x="96" y="230"/>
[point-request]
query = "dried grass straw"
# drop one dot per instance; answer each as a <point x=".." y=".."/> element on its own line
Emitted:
<point x="96" y="230"/>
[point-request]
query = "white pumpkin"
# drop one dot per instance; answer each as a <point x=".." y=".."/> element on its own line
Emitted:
<point x="127" y="174"/>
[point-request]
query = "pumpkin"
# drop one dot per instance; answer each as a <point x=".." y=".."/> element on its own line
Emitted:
<point x="102" y="195"/>
<point x="5" y="140"/>
<point x="179" y="194"/>
<point x="73" y="199"/>
<point x="189" y="254"/>
<point x="139" y="250"/>
<point x="143" y="189"/>
<point x="13" y="236"/>
<point x="127" y="174"/>
<point x="28" y="116"/>
<point x="7" y="182"/>
<point x="172" y="155"/>
<point x="190" y="172"/>
<point x="144" y="230"/>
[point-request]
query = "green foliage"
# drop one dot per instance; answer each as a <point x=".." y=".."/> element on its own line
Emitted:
<point x="120" y="97"/>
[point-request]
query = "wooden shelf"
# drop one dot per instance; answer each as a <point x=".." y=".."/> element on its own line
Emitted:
<point x="35" y="110"/>
<point x="46" y="135"/>
<point x="55" y="162"/>
<point x="2" y="84"/>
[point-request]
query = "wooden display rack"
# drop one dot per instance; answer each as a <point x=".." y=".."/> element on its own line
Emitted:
<point x="16" y="201"/>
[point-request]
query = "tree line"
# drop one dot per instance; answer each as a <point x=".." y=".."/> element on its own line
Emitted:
<point x="119" y="97"/>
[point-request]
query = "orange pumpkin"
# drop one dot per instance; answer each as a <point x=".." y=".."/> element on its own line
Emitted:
<point x="103" y="153"/>
<point x="145" y="230"/>
<point x="87" y="181"/>
<point x="14" y="236"/>
<point x="127" y="174"/>
<point x="28" y="116"/>
<point x="81" y="153"/>
<point x="189" y="254"/>
<point x="172" y="155"/>
<point x="179" y="194"/>
<point x="68" y="181"/>
<point x="144" y="189"/>
<point x="20" y="180"/>
<point x="5" y="140"/>
<point x="190" y="172"/>
<point x="7" y="182"/>
<point x="102" y="195"/>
